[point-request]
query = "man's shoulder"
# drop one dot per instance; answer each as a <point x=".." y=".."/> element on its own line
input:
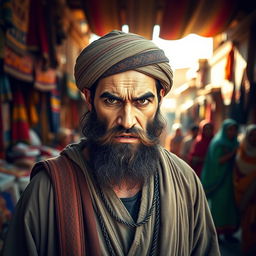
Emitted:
<point x="177" y="165"/>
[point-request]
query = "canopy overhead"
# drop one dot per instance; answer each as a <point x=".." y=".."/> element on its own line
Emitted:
<point x="177" y="18"/>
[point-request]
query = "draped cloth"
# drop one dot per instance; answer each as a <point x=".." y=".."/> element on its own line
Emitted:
<point x="20" y="124"/>
<point x="77" y="202"/>
<point x="199" y="149"/>
<point x="190" y="230"/>
<point x="245" y="189"/>
<point x="217" y="180"/>
<point x="118" y="52"/>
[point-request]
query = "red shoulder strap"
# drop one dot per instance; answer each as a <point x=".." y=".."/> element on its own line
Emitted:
<point x="74" y="211"/>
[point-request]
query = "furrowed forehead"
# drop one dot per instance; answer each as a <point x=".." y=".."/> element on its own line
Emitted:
<point x="130" y="82"/>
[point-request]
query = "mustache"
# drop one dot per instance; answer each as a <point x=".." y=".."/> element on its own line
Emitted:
<point x="116" y="131"/>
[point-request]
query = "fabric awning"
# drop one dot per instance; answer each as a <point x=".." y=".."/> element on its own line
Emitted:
<point x="177" y="18"/>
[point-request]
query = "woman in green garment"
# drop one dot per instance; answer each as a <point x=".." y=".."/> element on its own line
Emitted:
<point x="217" y="180"/>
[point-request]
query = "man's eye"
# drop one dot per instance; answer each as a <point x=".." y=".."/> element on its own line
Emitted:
<point x="111" y="101"/>
<point x="143" y="102"/>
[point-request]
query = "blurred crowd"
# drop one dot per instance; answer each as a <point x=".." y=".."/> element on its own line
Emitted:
<point x="225" y="162"/>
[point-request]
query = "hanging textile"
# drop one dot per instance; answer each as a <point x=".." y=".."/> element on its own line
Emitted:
<point x="55" y="110"/>
<point x="205" y="18"/>
<point x="229" y="68"/>
<point x="20" y="125"/>
<point x="32" y="110"/>
<point x="5" y="22"/>
<point x="5" y="96"/>
<point x="44" y="118"/>
<point x="20" y="67"/>
<point x="17" y="34"/>
<point x="32" y="98"/>
<point x="45" y="80"/>
<point x="37" y="39"/>
<point x="102" y="15"/>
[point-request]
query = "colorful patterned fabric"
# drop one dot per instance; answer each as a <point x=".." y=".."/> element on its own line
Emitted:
<point x="20" y="67"/>
<point x="55" y="110"/>
<point x="77" y="234"/>
<point x="16" y="35"/>
<point x="45" y="80"/>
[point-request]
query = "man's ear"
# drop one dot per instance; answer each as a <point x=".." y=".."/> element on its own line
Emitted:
<point x="162" y="93"/>
<point x="88" y="100"/>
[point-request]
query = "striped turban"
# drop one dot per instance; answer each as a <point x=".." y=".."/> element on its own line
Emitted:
<point x="118" y="52"/>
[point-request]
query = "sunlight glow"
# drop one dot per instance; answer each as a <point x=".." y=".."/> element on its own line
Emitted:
<point x="185" y="52"/>
<point x="125" y="28"/>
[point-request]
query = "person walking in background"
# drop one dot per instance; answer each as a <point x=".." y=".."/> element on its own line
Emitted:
<point x="245" y="188"/>
<point x="217" y="179"/>
<point x="188" y="141"/>
<point x="200" y="146"/>
<point x="176" y="140"/>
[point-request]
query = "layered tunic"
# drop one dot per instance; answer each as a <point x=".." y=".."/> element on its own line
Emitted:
<point x="186" y="226"/>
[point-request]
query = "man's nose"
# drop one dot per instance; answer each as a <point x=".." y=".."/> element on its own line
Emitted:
<point x="127" y="117"/>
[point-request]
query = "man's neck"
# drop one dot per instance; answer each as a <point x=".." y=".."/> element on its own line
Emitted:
<point x="124" y="191"/>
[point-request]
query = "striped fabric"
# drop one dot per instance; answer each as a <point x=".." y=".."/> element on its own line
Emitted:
<point x="20" y="67"/>
<point x="17" y="34"/>
<point x="74" y="211"/>
<point x="127" y="51"/>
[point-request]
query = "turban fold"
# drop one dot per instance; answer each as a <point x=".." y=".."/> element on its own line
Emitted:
<point x="118" y="52"/>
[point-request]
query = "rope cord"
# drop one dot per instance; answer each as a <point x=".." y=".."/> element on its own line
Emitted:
<point x="156" y="203"/>
<point x="148" y="215"/>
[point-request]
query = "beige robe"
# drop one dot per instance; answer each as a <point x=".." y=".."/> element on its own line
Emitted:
<point x="186" y="226"/>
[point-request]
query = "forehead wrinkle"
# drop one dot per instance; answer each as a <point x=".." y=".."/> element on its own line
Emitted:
<point x="129" y="91"/>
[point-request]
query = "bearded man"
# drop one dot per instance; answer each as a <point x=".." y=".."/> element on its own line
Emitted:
<point x="117" y="192"/>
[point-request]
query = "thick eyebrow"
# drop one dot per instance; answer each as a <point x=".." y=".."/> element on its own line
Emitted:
<point x="114" y="97"/>
<point x="110" y="96"/>
<point x="145" y="96"/>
